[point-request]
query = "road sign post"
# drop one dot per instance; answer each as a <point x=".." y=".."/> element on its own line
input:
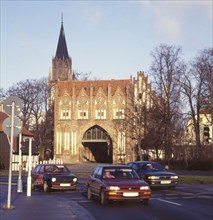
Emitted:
<point x="11" y="127"/>
<point x="11" y="157"/>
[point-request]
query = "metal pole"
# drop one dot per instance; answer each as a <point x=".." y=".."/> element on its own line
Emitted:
<point x="29" y="168"/>
<point x="11" y="157"/>
<point x="19" y="188"/>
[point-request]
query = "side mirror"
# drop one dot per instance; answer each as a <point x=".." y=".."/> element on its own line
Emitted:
<point x="167" y="167"/>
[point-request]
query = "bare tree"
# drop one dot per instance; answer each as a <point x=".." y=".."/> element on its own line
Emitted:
<point x="35" y="114"/>
<point x="27" y="91"/>
<point x="167" y="67"/>
<point x="153" y="137"/>
<point x="205" y="64"/>
<point x="80" y="75"/>
<point x="141" y="116"/>
<point x="46" y="135"/>
<point x="197" y="87"/>
<point x="2" y="94"/>
<point x="43" y="125"/>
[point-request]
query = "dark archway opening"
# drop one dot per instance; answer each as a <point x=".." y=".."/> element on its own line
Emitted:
<point x="98" y="145"/>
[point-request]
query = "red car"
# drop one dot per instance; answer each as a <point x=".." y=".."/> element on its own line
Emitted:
<point x="118" y="183"/>
<point x="53" y="176"/>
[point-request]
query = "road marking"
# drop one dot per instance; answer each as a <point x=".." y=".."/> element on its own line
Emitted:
<point x="203" y="193"/>
<point x="6" y="183"/>
<point x="205" y="197"/>
<point x="209" y="189"/>
<point x="171" y="198"/>
<point x="173" y="203"/>
<point x="187" y="193"/>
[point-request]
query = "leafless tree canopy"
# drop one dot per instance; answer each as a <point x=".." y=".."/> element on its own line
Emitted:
<point x="34" y="94"/>
<point x="80" y="76"/>
<point x="197" y="88"/>
<point x="167" y="68"/>
<point x="37" y="114"/>
<point x="182" y="91"/>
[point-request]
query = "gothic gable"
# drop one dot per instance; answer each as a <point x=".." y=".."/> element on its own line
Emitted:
<point x="100" y="99"/>
<point x="65" y="100"/>
<point x="83" y="100"/>
<point x="119" y="98"/>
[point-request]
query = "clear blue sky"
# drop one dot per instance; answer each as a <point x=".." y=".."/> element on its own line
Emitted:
<point x="111" y="39"/>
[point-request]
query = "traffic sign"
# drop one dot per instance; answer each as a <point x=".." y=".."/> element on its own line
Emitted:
<point x="12" y="127"/>
<point x="7" y="123"/>
<point x="7" y="104"/>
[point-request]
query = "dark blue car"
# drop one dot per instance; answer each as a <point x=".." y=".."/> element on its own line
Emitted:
<point x="155" y="174"/>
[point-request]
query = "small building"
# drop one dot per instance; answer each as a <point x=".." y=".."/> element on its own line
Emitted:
<point x="206" y="129"/>
<point x="5" y="146"/>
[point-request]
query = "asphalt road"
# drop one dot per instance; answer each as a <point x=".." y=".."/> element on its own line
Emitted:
<point x="185" y="202"/>
<point x="192" y="202"/>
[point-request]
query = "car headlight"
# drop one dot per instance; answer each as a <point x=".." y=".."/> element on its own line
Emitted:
<point x="53" y="179"/>
<point x="113" y="188"/>
<point x="144" y="188"/>
<point x="153" y="177"/>
<point x="75" y="179"/>
<point x="174" y="177"/>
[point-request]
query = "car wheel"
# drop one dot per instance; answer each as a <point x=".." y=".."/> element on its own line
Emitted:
<point x="46" y="187"/>
<point x="103" y="200"/>
<point x="89" y="194"/>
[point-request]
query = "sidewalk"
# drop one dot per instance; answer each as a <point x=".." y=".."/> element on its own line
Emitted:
<point x="37" y="207"/>
<point x="42" y="207"/>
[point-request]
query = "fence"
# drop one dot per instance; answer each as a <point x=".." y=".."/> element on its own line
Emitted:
<point x="35" y="161"/>
<point x="24" y="160"/>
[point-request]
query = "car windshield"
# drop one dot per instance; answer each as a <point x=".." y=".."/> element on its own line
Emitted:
<point x="151" y="167"/>
<point x="119" y="173"/>
<point x="56" y="168"/>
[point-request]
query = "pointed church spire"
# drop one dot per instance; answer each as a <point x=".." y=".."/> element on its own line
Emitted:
<point x="61" y="17"/>
<point x="62" y="52"/>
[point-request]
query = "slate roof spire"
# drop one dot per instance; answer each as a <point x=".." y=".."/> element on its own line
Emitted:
<point x="62" y="52"/>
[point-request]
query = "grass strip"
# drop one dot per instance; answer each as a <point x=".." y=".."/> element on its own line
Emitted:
<point x="195" y="180"/>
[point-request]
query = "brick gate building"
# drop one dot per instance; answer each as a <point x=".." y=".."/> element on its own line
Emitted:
<point x="91" y="118"/>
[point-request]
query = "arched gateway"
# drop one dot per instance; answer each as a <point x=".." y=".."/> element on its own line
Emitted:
<point x="98" y="145"/>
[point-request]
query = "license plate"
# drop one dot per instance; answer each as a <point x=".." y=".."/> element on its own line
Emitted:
<point x="64" y="184"/>
<point x="165" y="182"/>
<point x="130" y="194"/>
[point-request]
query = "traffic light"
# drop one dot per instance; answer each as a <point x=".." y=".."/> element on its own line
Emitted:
<point x="206" y="134"/>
